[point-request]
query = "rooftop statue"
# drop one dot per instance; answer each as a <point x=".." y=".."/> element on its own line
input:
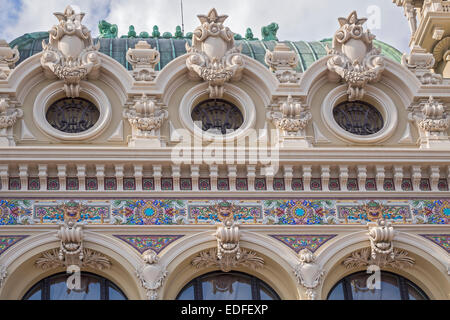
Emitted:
<point x="178" y="33"/>
<point x="167" y="35"/>
<point x="107" y="30"/>
<point x="131" y="32"/>
<point x="156" y="33"/>
<point x="144" y="34"/>
<point x="249" y="35"/>
<point x="270" y="32"/>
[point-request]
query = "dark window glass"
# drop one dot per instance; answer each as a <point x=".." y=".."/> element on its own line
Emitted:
<point x="92" y="287"/>
<point x="217" y="116"/>
<point x="72" y="115"/>
<point x="227" y="286"/>
<point x="358" y="117"/>
<point x="392" y="287"/>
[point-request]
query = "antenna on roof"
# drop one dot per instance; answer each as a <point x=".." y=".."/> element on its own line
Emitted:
<point x="182" y="17"/>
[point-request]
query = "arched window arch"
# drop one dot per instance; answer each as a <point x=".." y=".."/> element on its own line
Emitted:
<point x="227" y="286"/>
<point x="93" y="287"/>
<point x="392" y="287"/>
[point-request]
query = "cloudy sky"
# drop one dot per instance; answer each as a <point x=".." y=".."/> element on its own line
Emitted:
<point x="307" y="20"/>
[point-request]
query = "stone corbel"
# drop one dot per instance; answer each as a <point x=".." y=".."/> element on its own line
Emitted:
<point x="309" y="274"/>
<point x="420" y="62"/>
<point x="9" y="115"/>
<point x="353" y="57"/>
<point x="433" y="121"/>
<point x="291" y="119"/>
<point x="213" y="55"/>
<point x="228" y="236"/>
<point x="8" y="58"/>
<point x="143" y="58"/>
<point x="146" y="119"/>
<point x="70" y="54"/>
<point x="71" y="245"/>
<point x="282" y="61"/>
<point x="151" y="274"/>
<point x="381" y="238"/>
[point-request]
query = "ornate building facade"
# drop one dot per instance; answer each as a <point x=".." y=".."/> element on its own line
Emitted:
<point x="218" y="166"/>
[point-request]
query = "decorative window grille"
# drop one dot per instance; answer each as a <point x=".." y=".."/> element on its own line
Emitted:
<point x="217" y="116"/>
<point x="72" y="115"/>
<point x="358" y="117"/>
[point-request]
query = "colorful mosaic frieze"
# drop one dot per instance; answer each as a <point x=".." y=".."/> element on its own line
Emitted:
<point x="216" y="211"/>
<point x="442" y="240"/>
<point x="300" y="242"/>
<point x="8" y="241"/>
<point x="211" y="211"/>
<point x="149" y="212"/>
<point x="296" y="212"/>
<point x="143" y="243"/>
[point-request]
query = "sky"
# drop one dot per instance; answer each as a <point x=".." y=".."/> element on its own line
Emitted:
<point x="308" y="20"/>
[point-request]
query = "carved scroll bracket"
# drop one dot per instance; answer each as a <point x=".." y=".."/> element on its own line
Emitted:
<point x="151" y="274"/>
<point x="9" y="114"/>
<point x="353" y="57"/>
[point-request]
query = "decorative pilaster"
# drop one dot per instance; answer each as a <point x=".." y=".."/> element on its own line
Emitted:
<point x="398" y="177"/>
<point x="157" y="174"/>
<point x="353" y="57"/>
<point x="433" y="121"/>
<point x="4" y="176"/>
<point x="195" y="175"/>
<point x="214" y="174"/>
<point x="176" y="174"/>
<point x="307" y="175"/>
<point x="288" y="175"/>
<point x="119" y="176"/>
<point x="343" y="177"/>
<point x="232" y="174"/>
<point x="146" y="119"/>
<point x="416" y="175"/>
<point x="325" y="178"/>
<point x="138" y="174"/>
<point x="100" y="168"/>
<point x="291" y="119"/>
<point x="143" y="58"/>
<point x="434" y="178"/>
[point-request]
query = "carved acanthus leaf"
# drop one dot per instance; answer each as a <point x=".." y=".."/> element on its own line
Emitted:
<point x="92" y="259"/>
<point x="363" y="258"/>
<point x="209" y="258"/>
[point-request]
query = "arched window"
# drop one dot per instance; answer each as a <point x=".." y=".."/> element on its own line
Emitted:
<point x="227" y="286"/>
<point x="93" y="287"/>
<point x="391" y="287"/>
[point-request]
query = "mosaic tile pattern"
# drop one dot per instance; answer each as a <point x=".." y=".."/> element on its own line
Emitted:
<point x="316" y="184"/>
<point x="110" y="183"/>
<point x="204" y="184"/>
<point x="148" y="184"/>
<point x="334" y="184"/>
<point x="34" y="183"/>
<point x="223" y="184"/>
<point x="352" y="184"/>
<point x="14" y="183"/>
<point x="143" y="243"/>
<point x="260" y="184"/>
<point x="255" y="211"/>
<point x="442" y="240"/>
<point x="407" y="185"/>
<point x="278" y="184"/>
<point x="8" y="241"/>
<point x="185" y="184"/>
<point x="297" y="184"/>
<point x="300" y="242"/>
<point x="52" y="184"/>
<point x="166" y="184"/>
<point x="91" y="184"/>
<point x="388" y="184"/>
<point x="443" y="185"/>
<point x="72" y="184"/>
<point x="129" y="184"/>
<point x="371" y="184"/>
<point x="241" y="184"/>
<point x="425" y="185"/>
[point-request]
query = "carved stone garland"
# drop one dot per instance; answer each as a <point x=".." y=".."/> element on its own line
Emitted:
<point x="213" y="56"/>
<point x="70" y="54"/>
<point x="146" y="119"/>
<point x="151" y="274"/>
<point x="353" y="57"/>
<point x="283" y="61"/>
<point x="381" y="252"/>
<point x="228" y="254"/>
<point x="9" y="115"/>
<point x="291" y="118"/>
<point x="309" y="274"/>
<point x="8" y="57"/>
<point x="433" y="121"/>
<point x="143" y="58"/>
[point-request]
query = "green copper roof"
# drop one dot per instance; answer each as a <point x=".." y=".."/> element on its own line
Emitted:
<point x="308" y="52"/>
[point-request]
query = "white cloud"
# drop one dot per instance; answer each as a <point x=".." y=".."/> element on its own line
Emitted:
<point x="298" y="19"/>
